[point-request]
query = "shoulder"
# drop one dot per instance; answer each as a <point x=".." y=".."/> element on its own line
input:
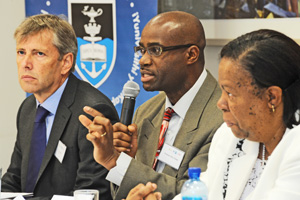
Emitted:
<point x="153" y="104"/>
<point x="79" y="93"/>
<point x="289" y="144"/>
<point x="211" y="84"/>
<point x="27" y="105"/>
<point x="84" y="91"/>
<point x="208" y="94"/>
<point x="204" y="105"/>
<point x="161" y="97"/>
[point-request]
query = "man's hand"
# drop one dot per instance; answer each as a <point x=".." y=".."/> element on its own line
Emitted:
<point x="101" y="135"/>
<point x="125" y="138"/>
<point x="144" y="192"/>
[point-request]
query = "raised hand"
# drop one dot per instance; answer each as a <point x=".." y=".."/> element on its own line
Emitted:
<point x="125" y="138"/>
<point x="101" y="135"/>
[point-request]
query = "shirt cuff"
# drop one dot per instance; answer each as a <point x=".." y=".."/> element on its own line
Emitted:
<point x="116" y="174"/>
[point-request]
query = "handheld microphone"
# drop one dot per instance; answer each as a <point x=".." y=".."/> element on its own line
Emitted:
<point x="130" y="90"/>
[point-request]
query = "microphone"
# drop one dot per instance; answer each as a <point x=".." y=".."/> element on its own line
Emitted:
<point x="130" y="90"/>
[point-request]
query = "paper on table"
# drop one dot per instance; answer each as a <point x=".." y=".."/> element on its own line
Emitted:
<point x="19" y="197"/>
<point x="7" y="195"/>
<point x="62" y="197"/>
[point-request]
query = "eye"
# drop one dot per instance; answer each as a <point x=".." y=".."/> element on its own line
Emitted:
<point x="229" y="94"/>
<point x="139" y="50"/>
<point x="40" y="53"/>
<point x="142" y="50"/>
<point x="20" y="52"/>
<point x="155" y="50"/>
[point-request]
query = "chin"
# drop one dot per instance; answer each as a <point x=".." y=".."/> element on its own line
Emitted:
<point x="239" y="133"/>
<point x="239" y="136"/>
<point x="148" y="88"/>
<point x="28" y="89"/>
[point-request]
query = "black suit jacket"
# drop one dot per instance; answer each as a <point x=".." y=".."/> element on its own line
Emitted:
<point x="78" y="169"/>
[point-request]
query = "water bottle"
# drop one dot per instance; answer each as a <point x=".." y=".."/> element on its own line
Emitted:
<point x="194" y="189"/>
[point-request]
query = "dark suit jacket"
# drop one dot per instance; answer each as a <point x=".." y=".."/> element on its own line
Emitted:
<point x="78" y="169"/>
<point x="194" y="137"/>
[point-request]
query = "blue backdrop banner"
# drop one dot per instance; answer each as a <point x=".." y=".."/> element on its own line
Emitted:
<point x="107" y="31"/>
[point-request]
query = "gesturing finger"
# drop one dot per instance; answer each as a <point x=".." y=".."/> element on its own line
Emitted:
<point x="85" y="121"/>
<point x="91" y="111"/>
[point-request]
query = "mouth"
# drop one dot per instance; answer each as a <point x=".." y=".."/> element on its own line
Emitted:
<point x="228" y="123"/>
<point x="27" y="78"/>
<point x="146" y="76"/>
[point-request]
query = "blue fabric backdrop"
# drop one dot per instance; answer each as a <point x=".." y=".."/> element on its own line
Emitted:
<point x="131" y="17"/>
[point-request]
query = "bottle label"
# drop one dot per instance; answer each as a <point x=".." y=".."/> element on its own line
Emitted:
<point x="192" y="198"/>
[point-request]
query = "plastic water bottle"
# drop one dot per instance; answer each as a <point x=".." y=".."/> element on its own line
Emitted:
<point x="194" y="189"/>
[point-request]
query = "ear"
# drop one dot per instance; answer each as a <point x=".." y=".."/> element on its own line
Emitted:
<point x="192" y="54"/>
<point x="67" y="62"/>
<point x="274" y="96"/>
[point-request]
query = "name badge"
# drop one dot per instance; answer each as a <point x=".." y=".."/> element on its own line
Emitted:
<point x="60" y="151"/>
<point x="170" y="155"/>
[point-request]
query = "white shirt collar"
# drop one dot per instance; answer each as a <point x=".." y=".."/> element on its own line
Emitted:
<point x="182" y="106"/>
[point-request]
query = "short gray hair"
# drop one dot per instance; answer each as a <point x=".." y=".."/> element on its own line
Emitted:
<point x="64" y="38"/>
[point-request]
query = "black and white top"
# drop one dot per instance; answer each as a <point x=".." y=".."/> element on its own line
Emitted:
<point x="254" y="176"/>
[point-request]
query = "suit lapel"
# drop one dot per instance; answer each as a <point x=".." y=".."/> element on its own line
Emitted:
<point x="61" y="119"/>
<point x="28" y="126"/>
<point x="190" y="124"/>
<point x="150" y="131"/>
<point x="240" y="170"/>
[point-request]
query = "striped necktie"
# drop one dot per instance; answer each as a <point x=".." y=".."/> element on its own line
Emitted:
<point x="163" y="129"/>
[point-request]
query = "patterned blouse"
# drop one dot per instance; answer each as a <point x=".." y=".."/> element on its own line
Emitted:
<point x="254" y="176"/>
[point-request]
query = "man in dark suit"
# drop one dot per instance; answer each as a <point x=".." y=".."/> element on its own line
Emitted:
<point x="172" y="61"/>
<point x="46" y="54"/>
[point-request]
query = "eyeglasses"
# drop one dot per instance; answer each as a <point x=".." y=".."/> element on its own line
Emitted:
<point x="157" y="50"/>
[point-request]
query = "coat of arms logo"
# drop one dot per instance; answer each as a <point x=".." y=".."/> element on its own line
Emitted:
<point x="96" y="52"/>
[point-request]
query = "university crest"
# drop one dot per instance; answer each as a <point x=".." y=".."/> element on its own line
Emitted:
<point x="95" y="27"/>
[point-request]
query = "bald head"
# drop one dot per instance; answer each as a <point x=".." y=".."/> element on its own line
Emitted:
<point x="181" y="27"/>
<point x="178" y="31"/>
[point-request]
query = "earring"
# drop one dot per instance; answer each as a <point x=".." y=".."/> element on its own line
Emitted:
<point x="273" y="108"/>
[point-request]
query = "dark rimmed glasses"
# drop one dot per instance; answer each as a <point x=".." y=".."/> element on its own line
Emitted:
<point x="156" y="50"/>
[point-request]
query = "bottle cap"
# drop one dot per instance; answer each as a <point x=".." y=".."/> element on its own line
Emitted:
<point x="194" y="172"/>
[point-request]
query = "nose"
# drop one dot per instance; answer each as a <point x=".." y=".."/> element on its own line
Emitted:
<point x="145" y="60"/>
<point x="26" y="61"/>
<point x="222" y="104"/>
